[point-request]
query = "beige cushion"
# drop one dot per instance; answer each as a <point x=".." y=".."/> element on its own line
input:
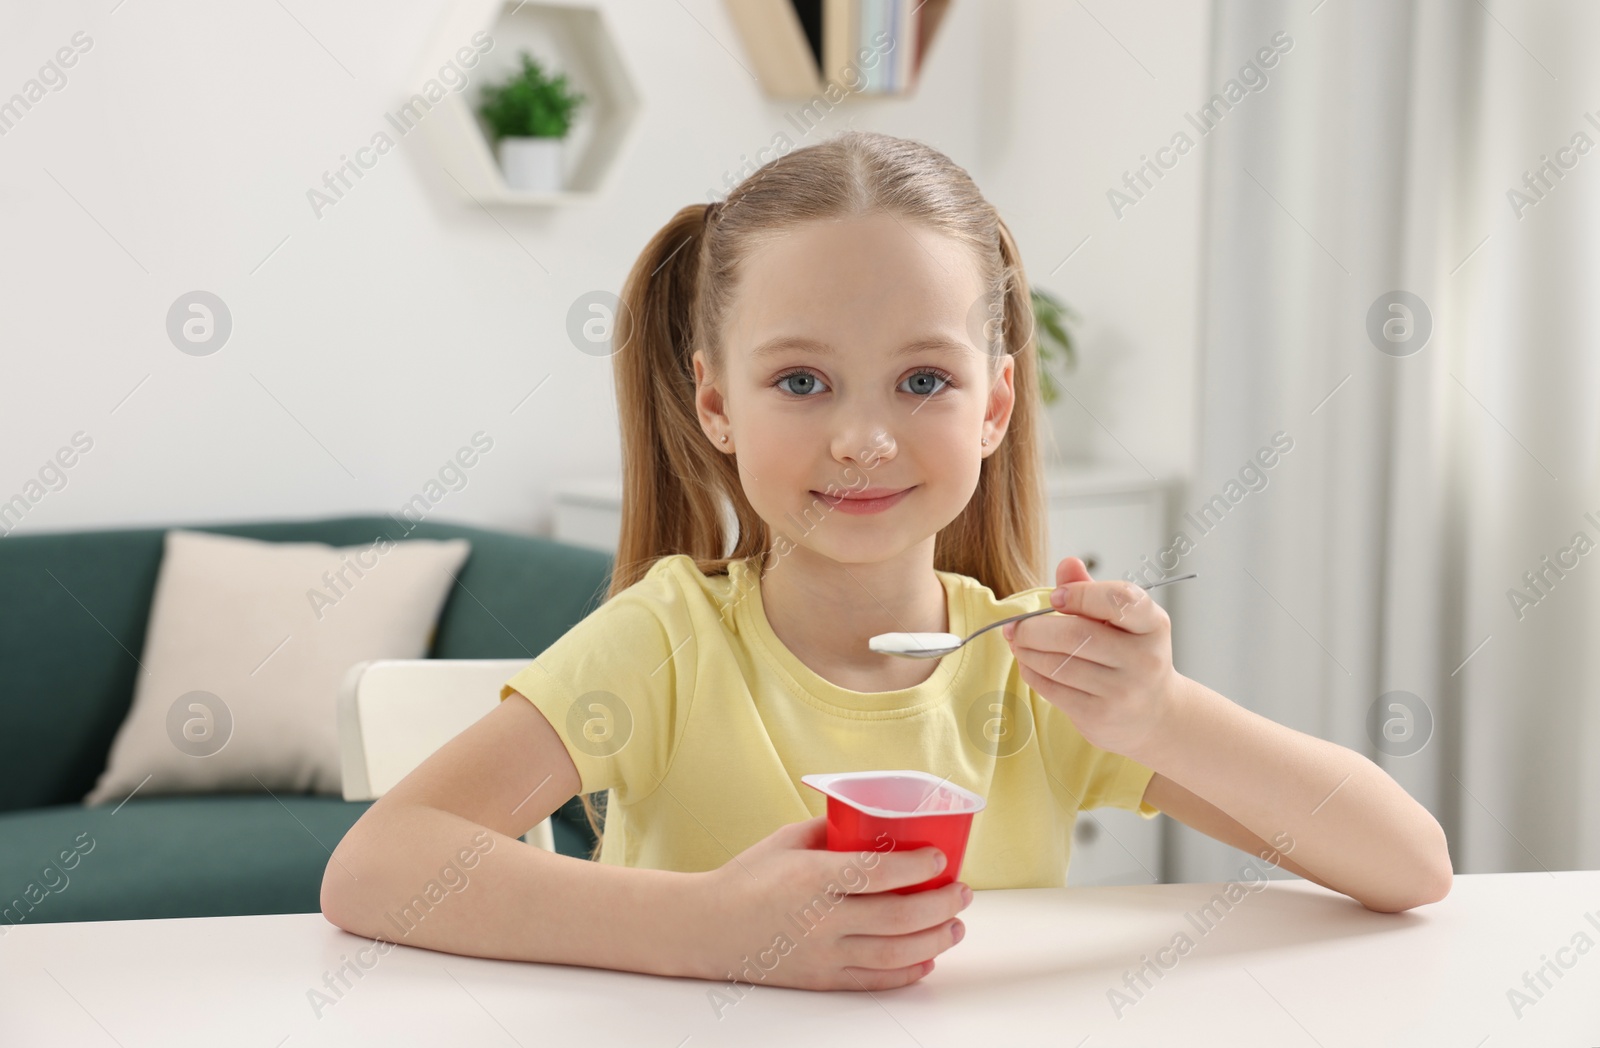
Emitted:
<point x="247" y="644"/>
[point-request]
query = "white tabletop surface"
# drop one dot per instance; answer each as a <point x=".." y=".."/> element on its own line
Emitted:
<point x="1291" y="964"/>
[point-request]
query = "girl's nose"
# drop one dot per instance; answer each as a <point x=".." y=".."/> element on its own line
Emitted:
<point x="876" y="445"/>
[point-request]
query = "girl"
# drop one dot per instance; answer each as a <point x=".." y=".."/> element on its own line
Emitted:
<point x="840" y="357"/>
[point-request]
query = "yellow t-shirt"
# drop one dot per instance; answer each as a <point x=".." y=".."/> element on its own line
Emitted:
<point x="677" y="697"/>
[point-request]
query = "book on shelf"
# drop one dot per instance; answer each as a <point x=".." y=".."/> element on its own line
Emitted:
<point x="876" y="32"/>
<point x="924" y="24"/>
<point x="893" y="22"/>
<point x="779" y="38"/>
<point x="803" y="45"/>
<point x="810" y="12"/>
<point x="838" y="41"/>
<point x="908" y="18"/>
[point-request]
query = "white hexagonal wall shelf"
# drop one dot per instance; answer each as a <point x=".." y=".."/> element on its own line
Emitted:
<point x="574" y="39"/>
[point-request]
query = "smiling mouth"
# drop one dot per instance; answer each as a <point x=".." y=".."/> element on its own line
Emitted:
<point x="866" y="496"/>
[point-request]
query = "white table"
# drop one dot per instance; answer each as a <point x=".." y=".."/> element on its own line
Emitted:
<point x="1291" y="964"/>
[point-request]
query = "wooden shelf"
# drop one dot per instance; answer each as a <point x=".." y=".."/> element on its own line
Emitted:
<point x="574" y="39"/>
<point x="816" y="48"/>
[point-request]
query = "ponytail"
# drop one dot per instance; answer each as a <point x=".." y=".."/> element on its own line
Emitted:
<point x="675" y="483"/>
<point x="998" y="538"/>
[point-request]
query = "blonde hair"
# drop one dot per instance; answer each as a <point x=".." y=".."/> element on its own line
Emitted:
<point x="677" y="296"/>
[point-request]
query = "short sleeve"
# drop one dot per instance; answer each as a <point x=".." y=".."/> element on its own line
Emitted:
<point x="1124" y="782"/>
<point x="610" y="688"/>
<point x="1084" y="775"/>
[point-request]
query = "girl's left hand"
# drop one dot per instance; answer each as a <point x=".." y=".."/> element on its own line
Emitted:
<point x="1106" y="662"/>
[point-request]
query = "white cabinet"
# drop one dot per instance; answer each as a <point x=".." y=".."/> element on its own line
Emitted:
<point x="1111" y="516"/>
<point x="589" y="513"/>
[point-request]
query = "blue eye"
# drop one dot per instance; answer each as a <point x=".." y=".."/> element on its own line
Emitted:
<point x="800" y="373"/>
<point x="934" y="373"/>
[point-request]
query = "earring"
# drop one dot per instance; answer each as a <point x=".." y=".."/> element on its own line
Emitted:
<point x="724" y="438"/>
<point x="985" y="441"/>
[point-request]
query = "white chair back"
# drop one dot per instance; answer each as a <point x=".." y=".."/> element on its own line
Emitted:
<point x="394" y="713"/>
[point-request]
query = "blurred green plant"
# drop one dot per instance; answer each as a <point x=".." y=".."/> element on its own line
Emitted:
<point x="1053" y="340"/>
<point x="530" y="104"/>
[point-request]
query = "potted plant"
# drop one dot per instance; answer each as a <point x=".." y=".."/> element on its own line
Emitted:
<point x="1052" y="338"/>
<point x="530" y="115"/>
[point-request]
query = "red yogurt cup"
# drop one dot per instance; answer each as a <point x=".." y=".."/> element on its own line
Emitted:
<point x="910" y="809"/>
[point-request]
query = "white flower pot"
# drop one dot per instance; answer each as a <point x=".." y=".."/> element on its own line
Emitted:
<point x="531" y="165"/>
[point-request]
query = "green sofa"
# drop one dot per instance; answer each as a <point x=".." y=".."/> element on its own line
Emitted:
<point x="73" y="609"/>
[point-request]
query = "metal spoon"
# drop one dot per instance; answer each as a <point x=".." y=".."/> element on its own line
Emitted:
<point x="888" y="645"/>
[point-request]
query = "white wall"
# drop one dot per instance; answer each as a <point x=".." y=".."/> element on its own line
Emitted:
<point x="1073" y="100"/>
<point x="376" y="339"/>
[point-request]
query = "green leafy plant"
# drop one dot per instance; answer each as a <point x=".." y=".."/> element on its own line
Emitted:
<point x="1052" y="338"/>
<point x="530" y="104"/>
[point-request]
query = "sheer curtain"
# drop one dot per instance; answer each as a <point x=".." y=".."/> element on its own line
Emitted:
<point x="1375" y="293"/>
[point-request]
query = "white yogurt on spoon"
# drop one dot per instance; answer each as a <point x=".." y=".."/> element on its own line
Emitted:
<point x="912" y="642"/>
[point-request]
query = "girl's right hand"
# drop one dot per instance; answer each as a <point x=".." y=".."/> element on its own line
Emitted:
<point x="788" y="912"/>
